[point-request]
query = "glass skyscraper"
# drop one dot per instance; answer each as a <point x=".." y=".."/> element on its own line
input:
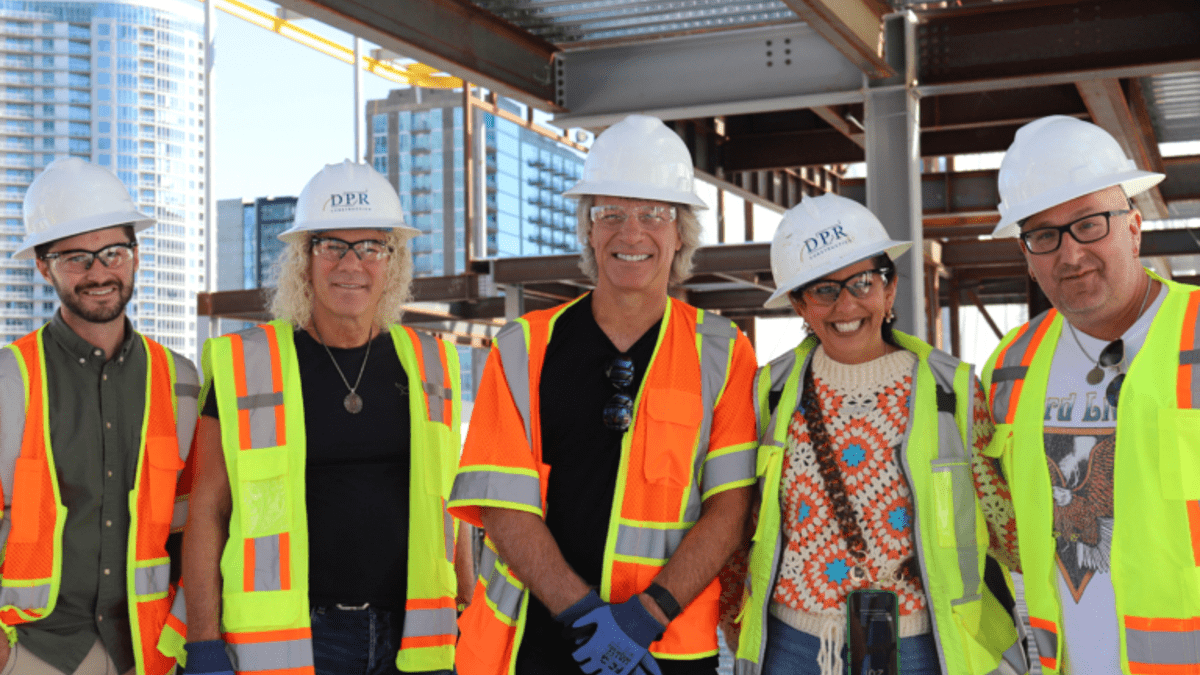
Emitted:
<point x="416" y="141"/>
<point x="120" y="84"/>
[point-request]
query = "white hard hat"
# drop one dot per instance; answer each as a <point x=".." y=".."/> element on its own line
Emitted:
<point x="639" y="158"/>
<point x="71" y="196"/>
<point x="347" y="196"/>
<point x="822" y="235"/>
<point x="1056" y="159"/>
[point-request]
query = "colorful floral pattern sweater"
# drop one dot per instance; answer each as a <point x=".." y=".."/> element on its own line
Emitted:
<point x="866" y="409"/>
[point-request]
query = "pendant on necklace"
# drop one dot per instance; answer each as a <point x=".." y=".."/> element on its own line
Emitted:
<point x="353" y="403"/>
<point x="1095" y="375"/>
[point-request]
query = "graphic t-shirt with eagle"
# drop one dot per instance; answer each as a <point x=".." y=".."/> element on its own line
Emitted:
<point x="1080" y="434"/>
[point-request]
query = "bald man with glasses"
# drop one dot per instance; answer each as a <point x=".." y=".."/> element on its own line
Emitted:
<point x="1097" y="411"/>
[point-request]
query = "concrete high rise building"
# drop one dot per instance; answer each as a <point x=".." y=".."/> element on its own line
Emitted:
<point x="120" y="84"/>
<point x="416" y="141"/>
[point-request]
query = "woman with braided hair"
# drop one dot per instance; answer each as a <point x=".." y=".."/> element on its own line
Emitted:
<point x="869" y="472"/>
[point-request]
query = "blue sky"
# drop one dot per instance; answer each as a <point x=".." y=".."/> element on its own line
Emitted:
<point x="281" y="110"/>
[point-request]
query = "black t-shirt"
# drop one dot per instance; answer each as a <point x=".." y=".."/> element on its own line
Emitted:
<point x="357" y="475"/>
<point x="584" y="456"/>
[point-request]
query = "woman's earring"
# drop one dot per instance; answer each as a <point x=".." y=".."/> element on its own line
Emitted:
<point x="891" y="316"/>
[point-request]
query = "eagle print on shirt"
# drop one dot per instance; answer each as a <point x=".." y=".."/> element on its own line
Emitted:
<point x="1081" y="479"/>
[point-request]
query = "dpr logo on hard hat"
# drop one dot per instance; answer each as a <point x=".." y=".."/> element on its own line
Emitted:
<point x="829" y="239"/>
<point x="342" y="202"/>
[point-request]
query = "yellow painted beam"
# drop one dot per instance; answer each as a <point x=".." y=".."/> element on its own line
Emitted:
<point x="416" y="74"/>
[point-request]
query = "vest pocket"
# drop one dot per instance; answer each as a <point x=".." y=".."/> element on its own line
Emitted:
<point x="163" y="463"/>
<point x="263" y="482"/>
<point x="29" y="477"/>
<point x="669" y="435"/>
<point x="1179" y="453"/>
<point x="953" y="489"/>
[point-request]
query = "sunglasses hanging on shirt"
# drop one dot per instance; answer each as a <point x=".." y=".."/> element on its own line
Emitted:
<point x="618" y="412"/>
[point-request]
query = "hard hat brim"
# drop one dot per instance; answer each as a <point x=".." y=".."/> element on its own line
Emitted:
<point x="1132" y="182"/>
<point x="630" y="190"/>
<point x="135" y="219"/>
<point x="894" y="249"/>
<point x="298" y="234"/>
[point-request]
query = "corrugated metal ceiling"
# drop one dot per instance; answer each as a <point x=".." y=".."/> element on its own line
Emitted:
<point x="570" y="22"/>
<point x="1174" y="104"/>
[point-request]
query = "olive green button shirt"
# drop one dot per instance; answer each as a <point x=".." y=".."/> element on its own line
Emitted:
<point x="96" y="411"/>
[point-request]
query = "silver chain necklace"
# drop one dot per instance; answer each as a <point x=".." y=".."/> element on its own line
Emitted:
<point x="1096" y="374"/>
<point x="353" y="402"/>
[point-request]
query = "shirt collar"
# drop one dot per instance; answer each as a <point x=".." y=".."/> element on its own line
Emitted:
<point x="83" y="350"/>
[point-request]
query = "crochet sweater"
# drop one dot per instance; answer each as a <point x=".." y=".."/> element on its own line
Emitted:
<point x="866" y="409"/>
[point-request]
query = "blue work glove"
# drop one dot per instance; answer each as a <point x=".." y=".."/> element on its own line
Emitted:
<point x="613" y="639"/>
<point x="208" y="657"/>
<point x="572" y="614"/>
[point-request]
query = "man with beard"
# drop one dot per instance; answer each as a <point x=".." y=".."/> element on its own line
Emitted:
<point x="1097" y="406"/>
<point x="95" y="425"/>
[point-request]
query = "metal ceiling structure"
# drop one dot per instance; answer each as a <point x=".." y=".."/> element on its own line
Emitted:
<point x="775" y="97"/>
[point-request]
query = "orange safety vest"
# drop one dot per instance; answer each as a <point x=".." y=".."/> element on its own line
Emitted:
<point x="693" y="435"/>
<point x="1155" y="555"/>
<point x="32" y="564"/>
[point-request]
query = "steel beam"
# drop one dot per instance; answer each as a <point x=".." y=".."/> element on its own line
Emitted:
<point x="1183" y="178"/>
<point x="1109" y="109"/>
<point x="707" y="75"/>
<point x="984" y="253"/>
<point x="853" y="27"/>
<point x="456" y="36"/>
<point x="1007" y="45"/>
<point x="893" y="150"/>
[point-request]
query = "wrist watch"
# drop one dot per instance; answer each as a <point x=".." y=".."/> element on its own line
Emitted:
<point x="665" y="601"/>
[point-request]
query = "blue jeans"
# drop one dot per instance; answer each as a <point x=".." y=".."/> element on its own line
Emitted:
<point x="793" y="652"/>
<point x="355" y="642"/>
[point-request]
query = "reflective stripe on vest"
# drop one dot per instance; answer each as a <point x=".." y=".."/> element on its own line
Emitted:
<point x="261" y="364"/>
<point x="504" y="592"/>
<point x="258" y="382"/>
<point x="1188" y="382"/>
<point x="952" y="469"/>
<point x="1163" y="645"/>
<point x="276" y="652"/>
<point x="1045" y="636"/>
<point x="1012" y="364"/>
<point x="33" y="545"/>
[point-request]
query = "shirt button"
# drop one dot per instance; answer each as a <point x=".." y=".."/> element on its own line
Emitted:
<point x="98" y="352"/>
<point x="104" y="377"/>
<point x="121" y="359"/>
<point x="108" y="425"/>
<point x="107" y="571"/>
<point x="82" y="360"/>
<point x="108" y="523"/>
<point x="110" y="474"/>
<point x="99" y="618"/>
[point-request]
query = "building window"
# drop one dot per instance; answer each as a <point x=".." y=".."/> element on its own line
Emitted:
<point x="381" y="164"/>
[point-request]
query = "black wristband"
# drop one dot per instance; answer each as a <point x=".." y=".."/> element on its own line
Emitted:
<point x="665" y="601"/>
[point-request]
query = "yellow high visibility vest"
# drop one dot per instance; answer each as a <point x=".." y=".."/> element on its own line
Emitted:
<point x="972" y="630"/>
<point x="265" y="615"/>
<point x="1155" y="558"/>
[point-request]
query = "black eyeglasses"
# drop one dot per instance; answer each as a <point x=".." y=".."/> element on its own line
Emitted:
<point x="78" y="261"/>
<point x="1085" y="230"/>
<point x="334" y="249"/>
<point x="827" y="291"/>
<point x="618" y="412"/>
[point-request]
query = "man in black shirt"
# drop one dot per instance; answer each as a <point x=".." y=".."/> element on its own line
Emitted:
<point x="633" y="412"/>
